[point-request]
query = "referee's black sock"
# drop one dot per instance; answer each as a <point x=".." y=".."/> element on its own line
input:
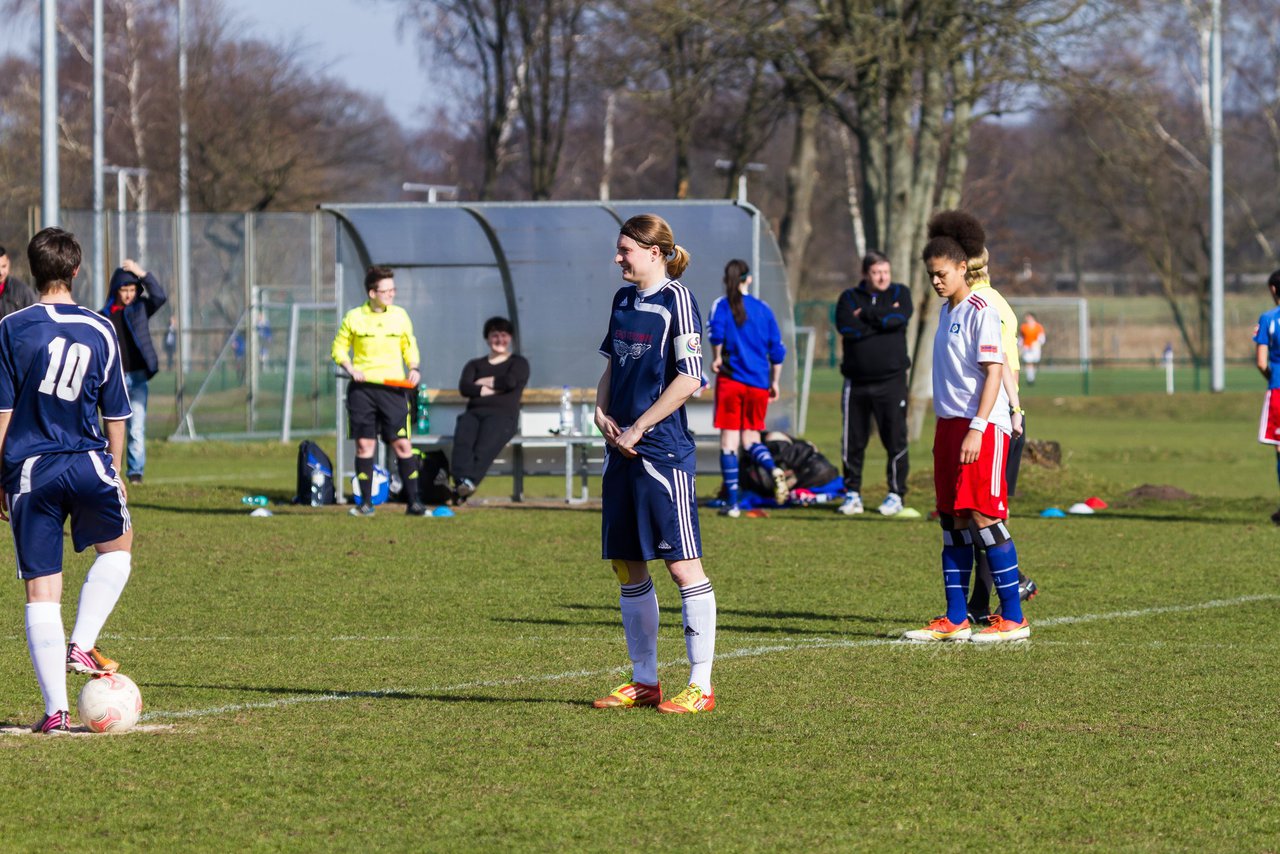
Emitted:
<point x="408" y="467"/>
<point x="364" y="476"/>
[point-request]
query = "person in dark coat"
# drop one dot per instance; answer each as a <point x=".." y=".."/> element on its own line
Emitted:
<point x="135" y="296"/>
<point x="14" y="293"/>
<point x="492" y="385"/>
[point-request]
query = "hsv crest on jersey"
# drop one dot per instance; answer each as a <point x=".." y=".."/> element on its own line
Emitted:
<point x="622" y="350"/>
<point x="955" y="329"/>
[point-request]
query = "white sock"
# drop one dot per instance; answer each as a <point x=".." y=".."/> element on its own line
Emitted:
<point x="640" y="624"/>
<point x="48" y="645"/>
<point x="98" y="596"/>
<point x="698" y="604"/>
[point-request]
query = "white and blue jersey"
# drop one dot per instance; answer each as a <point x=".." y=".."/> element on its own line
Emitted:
<point x="60" y="367"/>
<point x="649" y="503"/>
<point x="747" y="352"/>
<point x="1268" y="333"/>
<point x="59" y="364"/>
<point x="653" y="336"/>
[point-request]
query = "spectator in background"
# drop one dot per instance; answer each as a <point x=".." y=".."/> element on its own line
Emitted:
<point x="14" y="293"/>
<point x="1030" y="342"/>
<point x="747" y="354"/>
<point x="872" y="318"/>
<point x="492" y="385"/>
<point x="170" y="343"/>
<point x="1267" y="341"/>
<point x="134" y="296"/>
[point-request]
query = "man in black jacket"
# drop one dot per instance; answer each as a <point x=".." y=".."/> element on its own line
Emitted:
<point x="872" y="319"/>
<point x="14" y="293"/>
<point x="134" y="297"/>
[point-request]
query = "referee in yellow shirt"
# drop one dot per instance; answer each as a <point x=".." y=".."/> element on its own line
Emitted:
<point x="374" y="344"/>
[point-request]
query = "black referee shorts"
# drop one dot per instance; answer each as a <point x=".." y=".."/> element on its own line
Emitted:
<point x="375" y="410"/>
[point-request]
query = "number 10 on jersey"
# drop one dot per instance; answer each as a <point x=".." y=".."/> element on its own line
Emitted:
<point x="67" y="367"/>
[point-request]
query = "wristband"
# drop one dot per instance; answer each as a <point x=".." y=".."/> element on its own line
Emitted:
<point x="1017" y="410"/>
<point x="979" y="424"/>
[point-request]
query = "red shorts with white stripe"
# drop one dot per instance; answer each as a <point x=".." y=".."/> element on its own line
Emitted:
<point x="739" y="406"/>
<point x="977" y="486"/>
<point x="1269" y="425"/>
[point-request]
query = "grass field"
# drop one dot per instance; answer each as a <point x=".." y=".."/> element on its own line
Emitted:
<point x="325" y="682"/>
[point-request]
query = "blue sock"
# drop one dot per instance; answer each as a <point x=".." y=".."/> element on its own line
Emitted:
<point x="1004" y="573"/>
<point x="761" y="455"/>
<point x="957" y="566"/>
<point x="729" y="470"/>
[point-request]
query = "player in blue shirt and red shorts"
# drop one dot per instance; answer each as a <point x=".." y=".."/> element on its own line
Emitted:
<point x="747" y="361"/>
<point x="654" y="363"/>
<point x="59" y="368"/>
<point x="1267" y="337"/>
<point x="971" y="439"/>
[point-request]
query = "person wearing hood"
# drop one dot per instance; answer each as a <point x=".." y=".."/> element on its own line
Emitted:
<point x="135" y="296"/>
<point x="14" y="293"/>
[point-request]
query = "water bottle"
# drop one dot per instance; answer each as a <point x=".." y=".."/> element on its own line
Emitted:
<point x="422" y="421"/>
<point x="255" y="500"/>
<point x="317" y="488"/>
<point x="566" y="412"/>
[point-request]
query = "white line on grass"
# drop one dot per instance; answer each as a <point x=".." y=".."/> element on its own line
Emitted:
<point x="745" y="652"/>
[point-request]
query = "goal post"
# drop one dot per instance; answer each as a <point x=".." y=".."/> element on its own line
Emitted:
<point x="1066" y="326"/>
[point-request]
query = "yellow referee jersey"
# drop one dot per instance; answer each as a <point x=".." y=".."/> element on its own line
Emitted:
<point x="1008" y="323"/>
<point x="380" y="343"/>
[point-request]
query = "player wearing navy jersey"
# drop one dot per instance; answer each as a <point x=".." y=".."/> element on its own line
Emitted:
<point x="1267" y="339"/>
<point x="971" y="438"/>
<point x="59" y="368"/>
<point x="654" y="363"/>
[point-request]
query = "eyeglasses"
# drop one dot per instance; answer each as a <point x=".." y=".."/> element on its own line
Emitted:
<point x="385" y="291"/>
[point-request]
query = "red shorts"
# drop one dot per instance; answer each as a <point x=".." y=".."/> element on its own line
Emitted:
<point x="739" y="406"/>
<point x="977" y="486"/>
<point x="1269" y="425"/>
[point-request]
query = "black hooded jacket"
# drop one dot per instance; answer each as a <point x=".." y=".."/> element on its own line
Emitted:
<point x="137" y="314"/>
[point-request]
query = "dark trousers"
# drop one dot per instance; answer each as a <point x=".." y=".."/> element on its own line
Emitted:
<point x="477" y="441"/>
<point x="886" y="403"/>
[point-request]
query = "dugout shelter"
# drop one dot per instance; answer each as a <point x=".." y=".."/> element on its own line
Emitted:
<point x="548" y="266"/>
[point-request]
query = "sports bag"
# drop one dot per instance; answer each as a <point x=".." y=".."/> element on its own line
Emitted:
<point x="315" y="476"/>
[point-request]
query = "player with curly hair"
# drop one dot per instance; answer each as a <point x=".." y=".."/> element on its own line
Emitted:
<point x="971" y="438"/>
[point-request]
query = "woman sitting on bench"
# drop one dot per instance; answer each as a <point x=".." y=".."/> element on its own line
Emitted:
<point x="492" y="385"/>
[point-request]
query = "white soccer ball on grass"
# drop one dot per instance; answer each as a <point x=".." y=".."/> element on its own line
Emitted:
<point x="110" y="703"/>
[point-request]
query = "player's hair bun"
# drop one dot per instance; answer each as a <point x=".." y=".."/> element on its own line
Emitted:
<point x="961" y="227"/>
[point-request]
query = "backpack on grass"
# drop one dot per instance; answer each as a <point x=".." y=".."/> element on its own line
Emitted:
<point x="315" y="476"/>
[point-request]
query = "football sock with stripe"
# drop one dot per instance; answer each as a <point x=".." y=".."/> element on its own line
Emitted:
<point x="957" y="565"/>
<point x="639" y="606"/>
<point x="698" y="605"/>
<point x="980" y="598"/>
<point x="408" y="468"/>
<point x="729" y="471"/>
<point x="761" y="455"/>
<point x="102" y="588"/>
<point x="1003" y="557"/>
<point x="364" y="477"/>
<point x="47" y="643"/>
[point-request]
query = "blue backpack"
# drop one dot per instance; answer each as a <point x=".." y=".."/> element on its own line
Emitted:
<point x="315" y="476"/>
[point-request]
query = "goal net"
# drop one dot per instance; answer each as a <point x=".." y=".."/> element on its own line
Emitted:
<point x="1066" y="330"/>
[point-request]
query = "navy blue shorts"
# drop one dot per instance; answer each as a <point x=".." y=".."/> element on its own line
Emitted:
<point x="650" y="510"/>
<point x="48" y="489"/>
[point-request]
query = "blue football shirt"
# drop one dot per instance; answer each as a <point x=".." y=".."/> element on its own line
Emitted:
<point x="1269" y="334"/>
<point x="59" y="365"/>
<point x="747" y="352"/>
<point x="653" y="336"/>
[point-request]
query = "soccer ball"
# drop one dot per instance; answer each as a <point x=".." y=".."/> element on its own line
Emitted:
<point x="110" y="703"/>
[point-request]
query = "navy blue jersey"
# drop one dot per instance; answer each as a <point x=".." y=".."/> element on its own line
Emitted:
<point x="653" y="336"/>
<point x="59" y="365"/>
<point x="747" y="352"/>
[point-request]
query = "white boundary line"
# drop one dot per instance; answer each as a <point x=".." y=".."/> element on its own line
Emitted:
<point x="745" y="652"/>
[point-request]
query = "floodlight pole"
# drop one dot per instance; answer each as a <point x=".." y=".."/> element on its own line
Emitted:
<point x="432" y="190"/>
<point x="99" y="227"/>
<point x="50" y="214"/>
<point x="1216" y="262"/>
<point x="184" y="210"/>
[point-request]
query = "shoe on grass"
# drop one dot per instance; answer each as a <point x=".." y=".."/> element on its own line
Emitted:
<point x="731" y="510"/>
<point x="1003" y="631"/>
<point x="58" y="723"/>
<point x="417" y="508"/>
<point x="940" y="629"/>
<point x="1027" y="589"/>
<point x="851" y="506"/>
<point x="361" y="510"/>
<point x="465" y="488"/>
<point x="630" y="695"/>
<point x="892" y="505"/>
<point x="689" y="701"/>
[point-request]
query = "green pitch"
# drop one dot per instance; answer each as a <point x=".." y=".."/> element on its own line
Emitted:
<point x="317" y="681"/>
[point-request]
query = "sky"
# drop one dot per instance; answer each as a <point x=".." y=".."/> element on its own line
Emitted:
<point x="354" y="40"/>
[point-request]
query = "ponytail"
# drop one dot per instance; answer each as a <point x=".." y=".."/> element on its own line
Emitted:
<point x="735" y="273"/>
<point x="677" y="261"/>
